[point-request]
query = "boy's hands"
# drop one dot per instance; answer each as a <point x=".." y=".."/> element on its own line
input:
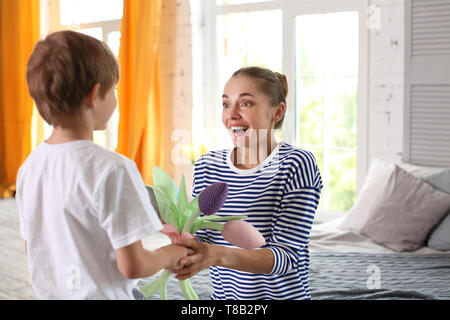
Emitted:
<point x="175" y="254"/>
<point x="133" y="261"/>
<point x="177" y="242"/>
<point x="200" y="256"/>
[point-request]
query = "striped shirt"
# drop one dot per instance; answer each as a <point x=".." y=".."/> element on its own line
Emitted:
<point x="280" y="197"/>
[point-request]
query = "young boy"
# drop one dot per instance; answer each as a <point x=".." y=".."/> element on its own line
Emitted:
<point x="83" y="209"/>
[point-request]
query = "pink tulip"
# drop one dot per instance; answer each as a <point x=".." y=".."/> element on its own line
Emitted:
<point x="171" y="231"/>
<point x="242" y="234"/>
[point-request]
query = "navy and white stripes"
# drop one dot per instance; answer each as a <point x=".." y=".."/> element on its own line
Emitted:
<point x="280" y="198"/>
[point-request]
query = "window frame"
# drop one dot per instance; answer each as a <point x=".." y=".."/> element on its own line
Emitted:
<point x="290" y="9"/>
<point x="50" y="22"/>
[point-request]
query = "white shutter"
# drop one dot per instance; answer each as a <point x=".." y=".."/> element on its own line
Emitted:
<point x="427" y="82"/>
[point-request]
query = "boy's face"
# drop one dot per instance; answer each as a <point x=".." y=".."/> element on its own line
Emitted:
<point x="105" y="108"/>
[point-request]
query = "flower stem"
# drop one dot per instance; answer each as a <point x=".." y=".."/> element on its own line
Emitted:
<point x="150" y="289"/>
<point x="209" y="225"/>
<point x="193" y="294"/>
<point x="164" y="289"/>
<point x="219" y="218"/>
<point x="206" y="222"/>
<point x="188" y="292"/>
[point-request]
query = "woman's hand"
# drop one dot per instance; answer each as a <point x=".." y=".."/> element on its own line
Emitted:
<point x="201" y="258"/>
<point x="204" y="255"/>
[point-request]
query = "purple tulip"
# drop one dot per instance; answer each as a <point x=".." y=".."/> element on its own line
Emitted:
<point x="213" y="197"/>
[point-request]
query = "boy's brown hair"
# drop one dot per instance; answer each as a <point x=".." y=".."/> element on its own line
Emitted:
<point x="62" y="70"/>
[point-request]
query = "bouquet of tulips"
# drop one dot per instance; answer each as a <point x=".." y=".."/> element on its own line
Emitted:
<point x="181" y="219"/>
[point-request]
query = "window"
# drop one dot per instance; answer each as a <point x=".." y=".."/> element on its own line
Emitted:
<point x="77" y="12"/>
<point x="99" y="19"/>
<point x="321" y="48"/>
<point x="326" y="100"/>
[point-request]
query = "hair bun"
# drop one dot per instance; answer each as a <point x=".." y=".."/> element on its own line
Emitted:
<point x="284" y="83"/>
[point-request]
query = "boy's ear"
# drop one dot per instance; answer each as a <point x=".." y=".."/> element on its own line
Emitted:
<point x="90" y="98"/>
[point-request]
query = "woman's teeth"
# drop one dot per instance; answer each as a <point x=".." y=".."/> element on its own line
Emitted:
<point x="238" y="129"/>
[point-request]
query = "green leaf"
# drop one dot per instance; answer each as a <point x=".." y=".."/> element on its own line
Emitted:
<point x="190" y="214"/>
<point x="185" y="217"/>
<point x="193" y="206"/>
<point x="182" y="196"/>
<point x="167" y="210"/>
<point x="163" y="181"/>
<point x="179" y="220"/>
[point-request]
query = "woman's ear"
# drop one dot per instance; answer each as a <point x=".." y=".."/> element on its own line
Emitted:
<point x="90" y="98"/>
<point x="279" y="112"/>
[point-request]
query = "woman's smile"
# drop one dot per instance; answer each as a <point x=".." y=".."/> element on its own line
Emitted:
<point x="238" y="131"/>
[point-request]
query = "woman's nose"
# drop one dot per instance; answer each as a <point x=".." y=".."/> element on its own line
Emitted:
<point x="234" y="111"/>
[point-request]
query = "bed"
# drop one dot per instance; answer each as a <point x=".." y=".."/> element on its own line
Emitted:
<point x="358" y="255"/>
<point x="347" y="265"/>
<point x="394" y="243"/>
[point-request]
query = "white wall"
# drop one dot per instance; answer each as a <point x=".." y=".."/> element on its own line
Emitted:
<point x="386" y="72"/>
<point x="178" y="79"/>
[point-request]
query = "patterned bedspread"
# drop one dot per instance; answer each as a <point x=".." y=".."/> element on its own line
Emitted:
<point x="379" y="276"/>
<point x="358" y="276"/>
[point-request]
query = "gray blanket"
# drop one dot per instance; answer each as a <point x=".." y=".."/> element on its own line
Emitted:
<point x="356" y="276"/>
<point x="379" y="276"/>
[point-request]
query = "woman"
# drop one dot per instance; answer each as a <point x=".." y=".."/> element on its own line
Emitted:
<point x="275" y="184"/>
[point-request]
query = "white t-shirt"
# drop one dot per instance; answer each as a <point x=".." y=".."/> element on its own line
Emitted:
<point x="78" y="203"/>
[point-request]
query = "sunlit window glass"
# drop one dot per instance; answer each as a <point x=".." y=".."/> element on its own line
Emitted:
<point x="113" y="41"/>
<point x="246" y="39"/>
<point x="326" y="100"/>
<point x="93" y="32"/>
<point x="85" y="11"/>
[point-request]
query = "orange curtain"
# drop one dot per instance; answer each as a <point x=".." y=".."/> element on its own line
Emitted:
<point x="19" y="32"/>
<point x="141" y="121"/>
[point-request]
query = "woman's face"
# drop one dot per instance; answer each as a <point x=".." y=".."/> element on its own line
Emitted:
<point x="246" y="110"/>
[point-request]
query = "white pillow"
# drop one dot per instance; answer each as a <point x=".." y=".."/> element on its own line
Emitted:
<point x="419" y="170"/>
<point x="372" y="190"/>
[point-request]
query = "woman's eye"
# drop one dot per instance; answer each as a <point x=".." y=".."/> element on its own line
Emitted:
<point x="245" y="104"/>
<point x="225" y="105"/>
